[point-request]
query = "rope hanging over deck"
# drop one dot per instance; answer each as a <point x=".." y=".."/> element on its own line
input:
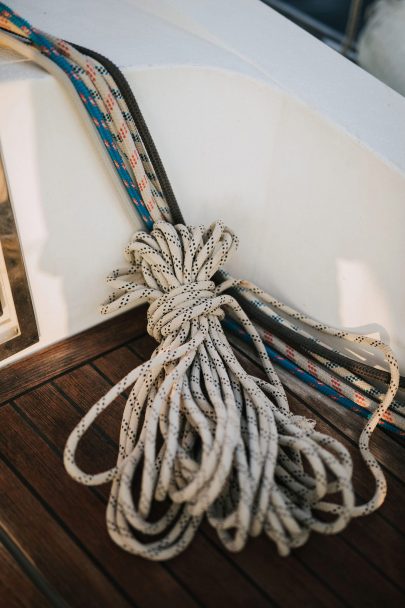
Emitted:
<point x="197" y="428"/>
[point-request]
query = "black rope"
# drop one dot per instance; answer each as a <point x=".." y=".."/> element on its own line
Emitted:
<point x="301" y="343"/>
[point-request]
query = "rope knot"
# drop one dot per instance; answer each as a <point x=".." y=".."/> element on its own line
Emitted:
<point x="171" y="268"/>
<point x="180" y="305"/>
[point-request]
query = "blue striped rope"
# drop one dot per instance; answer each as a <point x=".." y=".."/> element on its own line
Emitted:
<point x="306" y="377"/>
<point x="48" y="48"/>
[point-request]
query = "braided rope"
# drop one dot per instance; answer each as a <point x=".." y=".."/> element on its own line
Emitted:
<point x="314" y="378"/>
<point x="344" y="393"/>
<point x="96" y="78"/>
<point x="230" y="447"/>
<point x="364" y="440"/>
<point x="105" y="113"/>
<point x="198" y="430"/>
<point x="351" y="378"/>
<point x="121" y="125"/>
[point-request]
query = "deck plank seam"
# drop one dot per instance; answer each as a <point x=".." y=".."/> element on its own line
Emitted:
<point x="383" y="573"/>
<point x="133" y="350"/>
<point x="97" y="429"/>
<point x="36" y="577"/>
<point x="324" y="582"/>
<point x="68" y="531"/>
<point x="37" y="431"/>
<point x="238" y="568"/>
<point x="64" y="372"/>
<point x="94" y="366"/>
<point x="95" y="491"/>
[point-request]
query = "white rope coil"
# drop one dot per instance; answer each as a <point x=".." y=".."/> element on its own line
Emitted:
<point x="197" y="429"/>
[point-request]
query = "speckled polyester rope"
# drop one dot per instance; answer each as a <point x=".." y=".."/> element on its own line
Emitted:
<point x="272" y="308"/>
<point x="199" y="435"/>
<point x="228" y="445"/>
<point x="321" y="379"/>
<point x="197" y="429"/>
<point x="107" y="110"/>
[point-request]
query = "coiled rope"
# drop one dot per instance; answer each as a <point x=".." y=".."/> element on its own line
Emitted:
<point x="197" y="430"/>
<point x="229" y="445"/>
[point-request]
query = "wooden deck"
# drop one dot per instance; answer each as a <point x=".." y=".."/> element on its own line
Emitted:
<point x="54" y="547"/>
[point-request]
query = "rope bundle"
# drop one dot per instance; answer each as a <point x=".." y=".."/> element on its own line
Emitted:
<point x="199" y="434"/>
<point x="197" y="428"/>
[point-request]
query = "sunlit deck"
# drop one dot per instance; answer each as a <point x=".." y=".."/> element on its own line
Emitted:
<point x="56" y="551"/>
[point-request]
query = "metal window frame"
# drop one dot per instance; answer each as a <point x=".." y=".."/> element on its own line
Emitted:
<point x="18" y="326"/>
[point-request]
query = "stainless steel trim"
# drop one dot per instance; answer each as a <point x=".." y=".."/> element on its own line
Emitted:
<point x="18" y="327"/>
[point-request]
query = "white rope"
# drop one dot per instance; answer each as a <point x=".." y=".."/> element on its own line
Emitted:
<point x="271" y="307"/>
<point x="324" y="376"/>
<point x="364" y="441"/>
<point x="201" y="432"/>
